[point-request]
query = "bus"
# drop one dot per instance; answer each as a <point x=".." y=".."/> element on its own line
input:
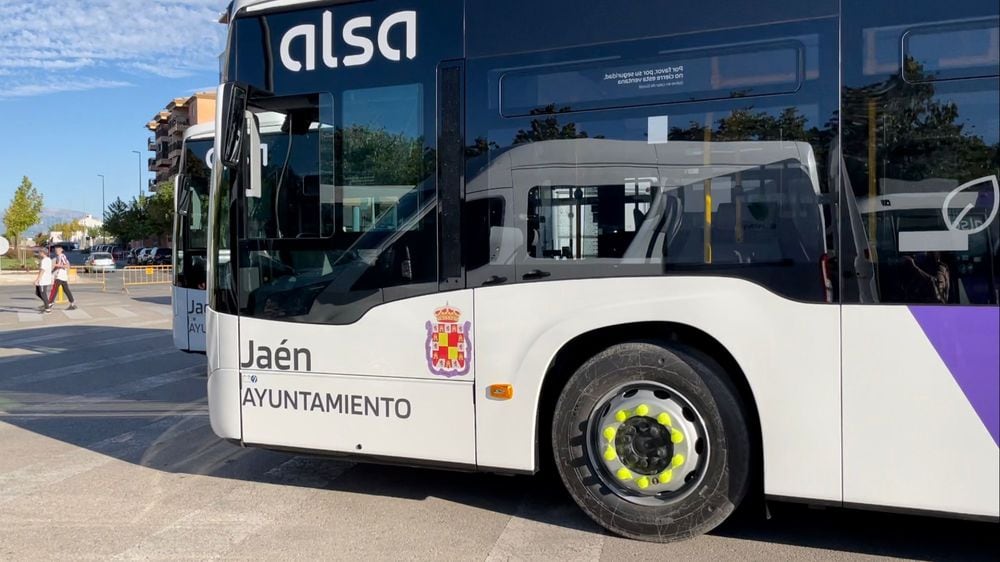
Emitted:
<point x="191" y="197"/>
<point x="691" y="258"/>
<point x="191" y="222"/>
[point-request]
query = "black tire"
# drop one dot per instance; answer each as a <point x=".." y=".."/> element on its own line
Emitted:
<point x="725" y="475"/>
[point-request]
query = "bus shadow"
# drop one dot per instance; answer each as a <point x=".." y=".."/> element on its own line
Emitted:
<point x="151" y="411"/>
<point x="165" y="300"/>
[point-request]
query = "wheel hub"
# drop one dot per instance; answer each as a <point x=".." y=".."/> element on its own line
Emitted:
<point x="643" y="445"/>
<point x="647" y="445"/>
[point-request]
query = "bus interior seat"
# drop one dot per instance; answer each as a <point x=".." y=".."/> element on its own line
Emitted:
<point x="638" y="217"/>
<point x="660" y="222"/>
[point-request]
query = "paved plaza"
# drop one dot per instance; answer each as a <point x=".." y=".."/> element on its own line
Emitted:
<point x="106" y="453"/>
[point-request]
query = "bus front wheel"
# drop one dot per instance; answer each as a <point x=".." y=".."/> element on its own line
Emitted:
<point x="651" y="441"/>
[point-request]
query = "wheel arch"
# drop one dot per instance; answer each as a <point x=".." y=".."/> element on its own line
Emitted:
<point x="575" y="352"/>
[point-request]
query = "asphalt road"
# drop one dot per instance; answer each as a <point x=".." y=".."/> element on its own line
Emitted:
<point x="106" y="453"/>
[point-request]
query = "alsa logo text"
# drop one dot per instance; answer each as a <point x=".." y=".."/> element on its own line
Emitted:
<point x="355" y="33"/>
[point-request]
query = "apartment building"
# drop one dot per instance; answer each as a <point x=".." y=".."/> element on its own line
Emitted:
<point x="168" y="126"/>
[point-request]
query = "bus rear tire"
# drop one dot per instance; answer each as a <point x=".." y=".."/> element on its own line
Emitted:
<point x="651" y="441"/>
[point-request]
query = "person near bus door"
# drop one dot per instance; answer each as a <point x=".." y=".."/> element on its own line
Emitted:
<point x="61" y="273"/>
<point x="44" y="279"/>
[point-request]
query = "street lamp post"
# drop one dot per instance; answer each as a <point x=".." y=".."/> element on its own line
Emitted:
<point x="140" y="171"/>
<point x="104" y="207"/>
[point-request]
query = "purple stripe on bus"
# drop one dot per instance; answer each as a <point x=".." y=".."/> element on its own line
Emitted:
<point x="968" y="341"/>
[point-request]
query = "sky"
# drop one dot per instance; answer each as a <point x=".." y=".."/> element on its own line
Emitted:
<point x="79" y="80"/>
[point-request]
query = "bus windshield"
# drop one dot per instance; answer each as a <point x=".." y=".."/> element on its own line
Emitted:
<point x="191" y="225"/>
<point x="339" y="205"/>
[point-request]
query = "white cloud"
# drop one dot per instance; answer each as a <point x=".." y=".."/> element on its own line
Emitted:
<point x="45" y="42"/>
<point x="53" y="86"/>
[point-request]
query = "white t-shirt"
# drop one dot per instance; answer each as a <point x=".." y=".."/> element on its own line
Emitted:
<point x="46" y="267"/>
<point x="62" y="274"/>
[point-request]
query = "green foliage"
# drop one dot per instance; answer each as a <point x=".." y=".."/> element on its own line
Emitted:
<point x="141" y="217"/>
<point x="377" y="157"/>
<point x="160" y="212"/>
<point x="548" y="128"/>
<point x="67" y="229"/>
<point x="25" y="209"/>
<point x="115" y="220"/>
<point x="912" y="122"/>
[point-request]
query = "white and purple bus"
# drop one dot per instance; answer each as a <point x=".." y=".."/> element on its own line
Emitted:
<point x="684" y="254"/>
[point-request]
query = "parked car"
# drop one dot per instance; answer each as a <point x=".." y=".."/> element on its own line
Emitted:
<point x="99" y="261"/>
<point x="132" y="258"/>
<point x="142" y="255"/>
<point x="162" y="256"/>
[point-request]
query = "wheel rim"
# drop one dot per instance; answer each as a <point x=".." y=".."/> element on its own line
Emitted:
<point x="648" y="443"/>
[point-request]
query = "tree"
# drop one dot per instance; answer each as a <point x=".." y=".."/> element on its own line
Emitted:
<point x="96" y="232"/>
<point x="68" y="229"/>
<point x="920" y="133"/>
<point x="547" y="127"/>
<point x="161" y="210"/>
<point x="115" y="220"/>
<point x="25" y="209"/>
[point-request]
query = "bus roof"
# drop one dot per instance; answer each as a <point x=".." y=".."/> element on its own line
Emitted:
<point x="239" y="5"/>
<point x="270" y="122"/>
<point x="200" y="131"/>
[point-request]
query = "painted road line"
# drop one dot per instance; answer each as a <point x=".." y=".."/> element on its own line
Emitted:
<point x="572" y="537"/>
<point x="41" y="475"/>
<point x="66" y="331"/>
<point x="85" y="401"/>
<point x="261" y="508"/>
<point x="91" y="345"/>
<point x="77" y="314"/>
<point x="29" y="317"/>
<point x="120" y="312"/>
<point x="39" y="376"/>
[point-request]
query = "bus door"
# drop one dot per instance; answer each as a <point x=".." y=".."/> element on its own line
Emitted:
<point x="920" y="314"/>
<point x="356" y="330"/>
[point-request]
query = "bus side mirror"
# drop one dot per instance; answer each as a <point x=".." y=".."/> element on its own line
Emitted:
<point x="234" y="105"/>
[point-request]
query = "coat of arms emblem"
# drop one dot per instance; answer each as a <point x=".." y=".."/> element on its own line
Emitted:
<point x="449" y="343"/>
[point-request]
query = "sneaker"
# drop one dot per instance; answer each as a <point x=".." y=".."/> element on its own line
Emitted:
<point x="48" y="310"/>
<point x="72" y="306"/>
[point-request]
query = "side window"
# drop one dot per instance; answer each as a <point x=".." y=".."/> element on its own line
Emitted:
<point x="484" y="221"/>
<point x="767" y="213"/>
<point x="923" y="156"/>
<point x="683" y="156"/>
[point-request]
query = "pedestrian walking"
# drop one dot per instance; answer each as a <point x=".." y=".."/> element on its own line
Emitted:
<point x="43" y="281"/>
<point x="60" y="271"/>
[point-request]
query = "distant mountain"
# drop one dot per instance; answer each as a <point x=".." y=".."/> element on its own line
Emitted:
<point x="54" y="216"/>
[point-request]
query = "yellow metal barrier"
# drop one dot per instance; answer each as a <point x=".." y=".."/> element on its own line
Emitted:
<point x="147" y="275"/>
<point x="82" y="275"/>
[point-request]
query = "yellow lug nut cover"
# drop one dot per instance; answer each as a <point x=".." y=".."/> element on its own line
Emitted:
<point x="610" y="454"/>
<point x="642" y="482"/>
<point x="677" y="461"/>
<point x="621" y="415"/>
<point x="676" y="437"/>
<point x="664" y="419"/>
<point x="641" y="410"/>
<point x="624" y="474"/>
<point x="666" y="476"/>
<point x="610" y="432"/>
